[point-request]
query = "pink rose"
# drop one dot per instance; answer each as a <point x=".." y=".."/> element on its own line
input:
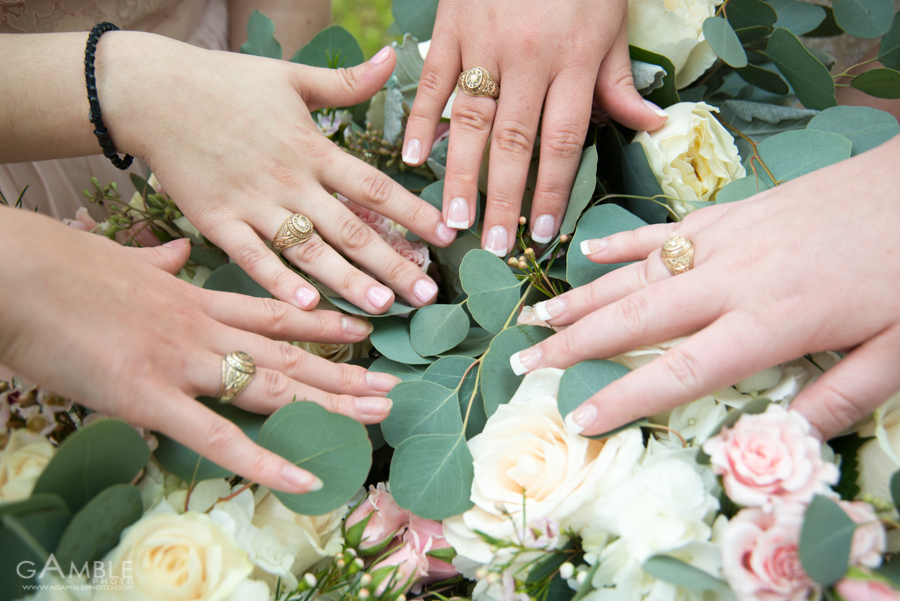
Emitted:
<point x="428" y="535"/>
<point x="417" y="252"/>
<point x="385" y="517"/>
<point x="865" y="590"/>
<point x="869" y="539"/>
<point x="376" y="221"/>
<point x="770" y="458"/>
<point x="83" y="221"/>
<point x="760" y="555"/>
<point x="407" y="565"/>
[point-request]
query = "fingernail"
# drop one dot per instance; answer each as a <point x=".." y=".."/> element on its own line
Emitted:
<point x="525" y="361"/>
<point x="425" y="290"/>
<point x="497" y="241"/>
<point x="444" y="233"/>
<point x="381" y="56"/>
<point x="373" y="406"/>
<point x="656" y="109"/>
<point x="542" y="231"/>
<point x="305" y="297"/>
<point x="355" y="326"/>
<point x="412" y="151"/>
<point x="380" y="382"/>
<point x="591" y="247"/>
<point x="458" y="214"/>
<point x="378" y="296"/>
<point x="550" y="309"/>
<point x="178" y="243"/>
<point x="300" y="479"/>
<point x="582" y="418"/>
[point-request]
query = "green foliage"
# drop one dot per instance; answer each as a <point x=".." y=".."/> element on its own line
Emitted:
<point x="407" y="373"/>
<point x="724" y="41"/>
<point x="597" y="222"/>
<point x="864" y="18"/>
<point x="583" y="380"/>
<point x="889" y="50"/>
<point x="477" y="341"/>
<point x="895" y="488"/>
<point x="825" y="541"/>
<point x="763" y="79"/>
<point x="582" y="190"/>
<point x="27" y="534"/>
<point x="807" y="75"/>
<point x="333" y="47"/>
<point x="261" y="37"/>
<point x="431" y="475"/>
<point x="794" y="153"/>
<point x="409" y="68"/>
<point x="398" y="308"/>
<point x="421" y="407"/>
<point x="638" y="180"/>
<point x="744" y="14"/>
<point x="331" y="446"/>
<point x="415" y="17"/>
<point x="391" y="337"/>
<point x="667" y="95"/>
<point x="438" y="328"/>
<point x="492" y="288"/>
<point x="498" y="382"/>
<point x="797" y="16"/>
<point x="865" y="127"/>
<point x="847" y="448"/>
<point x="448" y="372"/>
<point x="232" y="278"/>
<point x="881" y="83"/>
<point x="682" y="574"/>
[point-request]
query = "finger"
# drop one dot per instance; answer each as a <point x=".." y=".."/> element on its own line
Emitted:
<point x="170" y="257"/>
<point x="321" y="88"/>
<point x="616" y="93"/>
<point x="280" y="321"/>
<point x="185" y="420"/>
<point x="512" y="146"/>
<point x="652" y="315"/>
<point x="439" y="75"/>
<point x="731" y="349"/>
<point x="372" y="189"/>
<point x="261" y="263"/>
<point x="470" y="127"/>
<point x="853" y="388"/>
<point x="567" y="114"/>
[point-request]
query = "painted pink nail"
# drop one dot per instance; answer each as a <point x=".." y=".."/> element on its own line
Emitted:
<point x="425" y="290"/>
<point x="306" y="297"/>
<point x="299" y="479"/>
<point x="378" y="296"/>
<point x="382" y="56"/>
<point x="380" y="382"/>
<point x="355" y="326"/>
<point x="444" y="233"/>
<point x="656" y="109"/>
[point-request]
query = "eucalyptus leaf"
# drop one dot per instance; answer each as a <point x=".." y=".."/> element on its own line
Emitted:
<point x="141" y="185"/>
<point x="492" y="288"/>
<point x="638" y="180"/>
<point x="106" y="452"/>
<point x="679" y="573"/>
<point x="647" y="77"/>
<point x="398" y="308"/>
<point x="393" y="112"/>
<point x="331" y="446"/>
<point x="408" y="69"/>
<point x="498" y="382"/>
<point x="895" y="488"/>
<point x="36" y="502"/>
<point x="794" y="153"/>
<point x="797" y="16"/>
<point x="391" y="337"/>
<point x="880" y="83"/>
<point x="476" y="343"/>
<point x="827" y="28"/>
<point x="407" y="373"/>
<point x="864" y="126"/>
<point x="415" y="17"/>
<point x="208" y="257"/>
<point x="431" y="475"/>
<point x="763" y="79"/>
<point x="582" y="190"/>
<point x="807" y="75"/>
<point x="232" y="278"/>
<point x="448" y="372"/>
<point x="666" y="95"/>
<point x="743" y="14"/>
<point x="751" y="34"/>
<point x="864" y="18"/>
<point x="598" y="222"/>
<point x="261" y="37"/>
<point x="438" y="328"/>
<point x="332" y="48"/>
<point x="583" y="380"/>
<point x="421" y="407"/>
<point x="740" y="189"/>
<point x="724" y="42"/>
<point x="825" y="540"/>
<point x="889" y="50"/>
<point x="27" y="537"/>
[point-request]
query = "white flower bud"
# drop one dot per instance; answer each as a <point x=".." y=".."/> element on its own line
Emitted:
<point x="582" y="576"/>
<point x="566" y="570"/>
<point x="364" y="594"/>
<point x="310" y="580"/>
<point x="366" y="580"/>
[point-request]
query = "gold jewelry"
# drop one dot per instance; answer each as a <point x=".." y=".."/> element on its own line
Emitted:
<point x="478" y="82"/>
<point x="678" y="254"/>
<point x="296" y="229"/>
<point x="238" y="368"/>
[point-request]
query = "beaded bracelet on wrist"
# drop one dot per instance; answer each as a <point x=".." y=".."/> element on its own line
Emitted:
<point x="106" y="143"/>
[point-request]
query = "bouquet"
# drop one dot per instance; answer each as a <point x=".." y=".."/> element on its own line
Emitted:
<point x="474" y="487"/>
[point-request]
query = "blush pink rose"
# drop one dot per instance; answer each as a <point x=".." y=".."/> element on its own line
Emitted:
<point x="386" y="521"/>
<point x="770" y="458"/>
<point x="416" y="252"/>
<point x="376" y="221"/>
<point x="870" y="538"/>
<point x="83" y="221"/>
<point x="865" y="590"/>
<point x="408" y="566"/>
<point x="428" y="535"/>
<point x="760" y="555"/>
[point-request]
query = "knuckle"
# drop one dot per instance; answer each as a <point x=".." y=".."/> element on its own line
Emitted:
<point x="292" y="358"/>
<point x="276" y="317"/>
<point x="221" y="434"/>
<point x="515" y="138"/>
<point x="642" y="273"/>
<point x="275" y="384"/>
<point x="261" y="463"/>
<point x="842" y="410"/>
<point x="632" y="314"/>
<point x="355" y="235"/>
<point x="673" y="229"/>
<point x="349" y="281"/>
<point x="566" y="141"/>
<point x="684" y="368"/>
<point x="343" y="404"/>
<point x="351" y="377"/>
<point x="309" y="252"/>
<point x="377" y="189"/>
<point x="473" y="118"/>
<point x="398" y="269"/>
<point x="503" y="203"/>
<point x="348" y="78"/>
<point x="431" y="84"/>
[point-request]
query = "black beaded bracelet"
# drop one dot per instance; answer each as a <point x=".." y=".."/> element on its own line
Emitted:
<point x="106" y="143"/>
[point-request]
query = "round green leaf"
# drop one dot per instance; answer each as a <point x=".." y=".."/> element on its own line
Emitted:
<point x="895" y="488"/>
<point x="825" y="540"/>
<point x="407" y="373"/>
<point x="334" y="447"/>
<point x="763" y="79"/>
<point x="864" y="126"/>
<point x="431" y="475"/>
<point x="889" y="50"/>
<point x="438" y="328"/>
<point x="261" y="37"/>
<point x="332" y="48"/>
<point x="724" y="41"/>
<point x="679" y="573"/>
<point x="28" y="536"/>
<point x="794" y="153"/>
<point x="415" y="17"/>
<point x="391" y="337"/>
<point x="477" y="341"/>
<point x="492" y="288"/>
<point x="864" y="18"/>
<point x="638" y="179"/>
<point x="232" y="278"/>
<point x="796" y="16"/>
<point x="448" y="371"/>
<point x="498" y="382"/>
<point x="880" y="83"/>
<point x="582" y="381"/>
<point x="398" y="308"/>
<point x="743" y="14"/>
<point x="598" y="222"/>
<point x="421" y="408"/>
<point x="107" y="452"/>
<point x="809" y="77"/>
<point x="582" y="190"/>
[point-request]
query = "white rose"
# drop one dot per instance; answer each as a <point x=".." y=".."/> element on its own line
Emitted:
<point x="879" y="458"/>
<point x="336" y="353"/>
<point x="525" y="451"/>
<point x="25" y="457"/>
<point x="692" y="155"/>
<point x="674" y="28"/>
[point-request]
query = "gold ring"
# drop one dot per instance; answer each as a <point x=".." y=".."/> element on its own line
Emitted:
<point x="478" y="82"/>
<point x="238" y="368"/>
<point x="296" y="229"/>
<point x="678" y="254"/>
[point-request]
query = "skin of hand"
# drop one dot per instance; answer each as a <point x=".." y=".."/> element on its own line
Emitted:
<point x="808" y="266"/>
<point x="231" y="139"/>
<point x="109" y="327"/>
<point x="553" y="57"/>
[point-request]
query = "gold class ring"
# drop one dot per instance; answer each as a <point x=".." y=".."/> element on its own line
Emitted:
<point x="296" y="229"/>
<point x="238" y="368"/>
<point x="678" y="254"/>
<point x="478" y="82"/>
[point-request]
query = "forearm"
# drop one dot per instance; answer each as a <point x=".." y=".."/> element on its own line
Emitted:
<point x="296" y="21"/>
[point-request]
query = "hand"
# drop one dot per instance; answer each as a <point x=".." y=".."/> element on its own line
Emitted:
<point x="108" y="327"/>
<point x="545" y="55"/>
<point x="808" y="266"/>
<point x="243" y="153"/>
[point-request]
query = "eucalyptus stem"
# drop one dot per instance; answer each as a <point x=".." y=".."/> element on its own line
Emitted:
<point x="474" y="392"/>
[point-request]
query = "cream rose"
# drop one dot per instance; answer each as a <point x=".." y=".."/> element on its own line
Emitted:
<point x="674" y="28"/>
<point x="692" y="155"/>
<point x="24" y="460"/>
<point x="336" y="353"/>
<point x="879" y="458"/>
<point x="525" y="451"/>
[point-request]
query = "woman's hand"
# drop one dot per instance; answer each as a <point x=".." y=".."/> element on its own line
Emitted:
<point x="231" y="139"/>
<point x="108" y="327"/>
<point x="811" y="265"/>
<point x="546" y="56"/>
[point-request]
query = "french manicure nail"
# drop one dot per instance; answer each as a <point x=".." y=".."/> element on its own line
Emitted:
<point x="525" y="361"/>
<point x="656" y="109"/>
<point x="378" y="296"/>
<point x="412" y="151"/>
<point x="425" y="290"/>
<point x="571" y="426"/>
<point x="380" y="382"/>
<point x="592" y="247"/>
<point x="497" y="241"/>
<point x="355" y="326"/>
<point x="444" y="233"/>
<point x="305" y="297"/>
<point x="583" y="417"/>
<point x="542" y="231"/>
<point x="550" y="309"/>
<point x="373" y="406"/>
<point x="381" y="56"/>
<point x="300" y="479"/>
<point x="458" y="214"/>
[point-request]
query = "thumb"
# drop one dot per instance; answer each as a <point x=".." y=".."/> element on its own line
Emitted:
<point x="616" y="94"/>
<point x="170" y="257"/>
<point x="344" y="87"/>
